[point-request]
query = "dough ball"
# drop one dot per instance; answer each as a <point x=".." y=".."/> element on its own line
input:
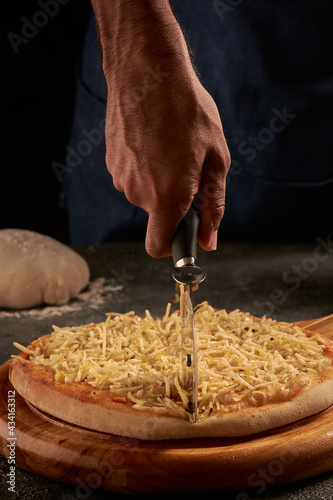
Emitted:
<point x="37" y="269"/>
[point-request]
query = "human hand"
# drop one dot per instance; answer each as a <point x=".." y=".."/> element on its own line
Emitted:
<point x="164" y="137"/>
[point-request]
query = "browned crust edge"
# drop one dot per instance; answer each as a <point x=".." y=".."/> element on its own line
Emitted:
<point x="76" y="403"/>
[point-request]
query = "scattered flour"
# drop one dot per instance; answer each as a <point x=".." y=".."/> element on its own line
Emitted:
<point x="94" y="296"/>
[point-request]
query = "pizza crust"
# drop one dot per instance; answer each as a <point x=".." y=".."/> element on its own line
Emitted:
<point x="83" y="405"/>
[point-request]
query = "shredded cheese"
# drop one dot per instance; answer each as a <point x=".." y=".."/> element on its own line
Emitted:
<point x="139" y="358"/>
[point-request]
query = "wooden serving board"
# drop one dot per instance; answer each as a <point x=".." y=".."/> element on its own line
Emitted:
<point x="91" y="460"/>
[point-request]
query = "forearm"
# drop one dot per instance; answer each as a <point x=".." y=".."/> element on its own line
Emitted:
<point x="137" y="31"/>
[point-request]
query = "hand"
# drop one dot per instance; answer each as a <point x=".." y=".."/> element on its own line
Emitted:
<point x="164" y="137"/>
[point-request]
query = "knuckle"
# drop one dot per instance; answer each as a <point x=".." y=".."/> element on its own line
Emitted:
<point x="216" y="209"/>
<point x="118" y="184"/>
<point x="226" y="158"/>
<point x="217" y="205"/>
<point x="131" y="195"/>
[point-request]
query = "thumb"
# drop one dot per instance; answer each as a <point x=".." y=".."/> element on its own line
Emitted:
<point x="211" y="201"/>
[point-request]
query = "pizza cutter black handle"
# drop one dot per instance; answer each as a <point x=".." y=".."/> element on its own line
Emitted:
<point x="184" y="243"/>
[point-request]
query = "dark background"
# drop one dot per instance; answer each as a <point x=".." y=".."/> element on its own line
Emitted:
<point x="38" y="92"/>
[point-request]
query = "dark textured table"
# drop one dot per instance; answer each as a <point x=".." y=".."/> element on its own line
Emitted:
<point x="287" y="282"/>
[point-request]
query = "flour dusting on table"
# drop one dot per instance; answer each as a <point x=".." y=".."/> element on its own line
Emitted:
<point x="98" y="292"/>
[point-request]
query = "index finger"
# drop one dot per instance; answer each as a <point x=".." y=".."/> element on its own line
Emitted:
<point x="161" y="228"/>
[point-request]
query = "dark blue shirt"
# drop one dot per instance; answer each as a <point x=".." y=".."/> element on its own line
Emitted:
<point x="269" y="67"/>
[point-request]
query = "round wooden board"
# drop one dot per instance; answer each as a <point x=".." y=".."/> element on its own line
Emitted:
<point x="91" y="460"/>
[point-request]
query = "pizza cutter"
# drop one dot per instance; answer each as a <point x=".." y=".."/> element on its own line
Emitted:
<point x="188" y="275"/>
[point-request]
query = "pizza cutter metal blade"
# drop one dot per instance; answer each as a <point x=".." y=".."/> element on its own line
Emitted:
<point x="188" y="275"/>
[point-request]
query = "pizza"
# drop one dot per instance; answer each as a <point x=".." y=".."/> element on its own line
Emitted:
<point x="121" y="376"/>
